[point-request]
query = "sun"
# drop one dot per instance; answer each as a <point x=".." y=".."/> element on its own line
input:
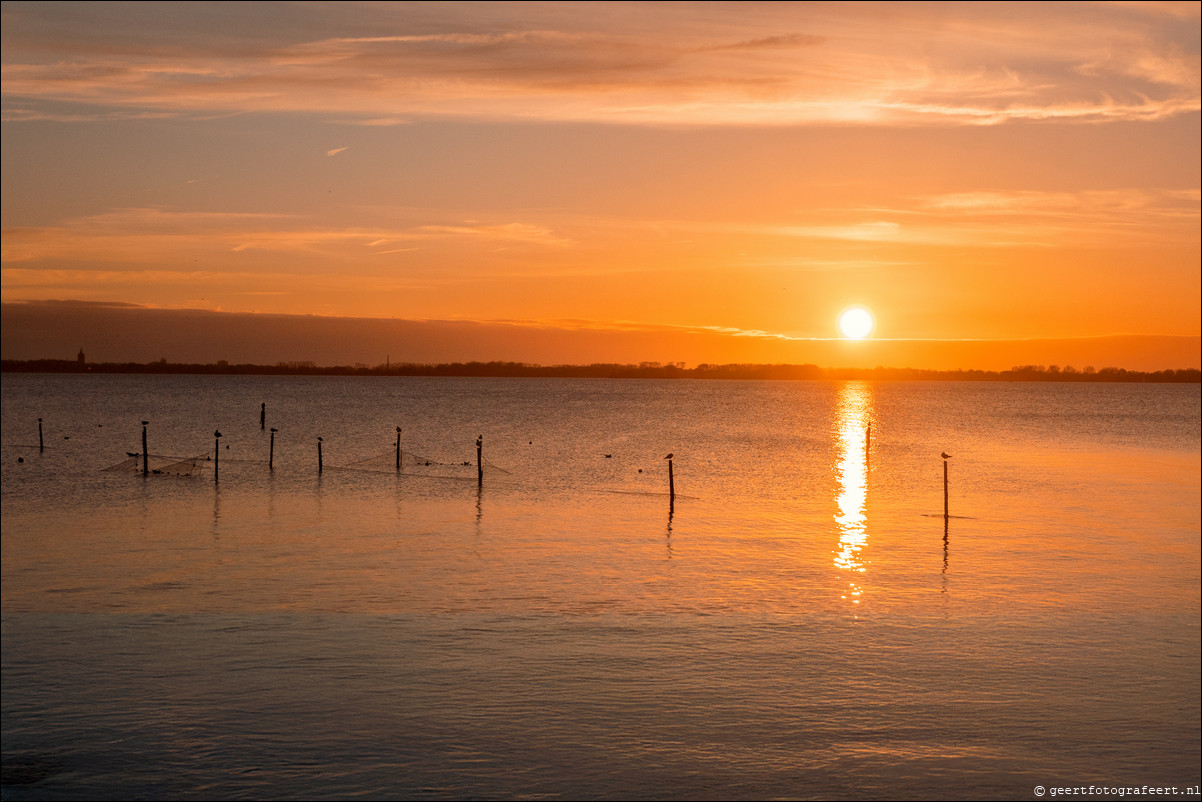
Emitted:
<point x="856" y="323"/>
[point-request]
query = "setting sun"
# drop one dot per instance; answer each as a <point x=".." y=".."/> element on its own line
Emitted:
<point x="856" y="323"/>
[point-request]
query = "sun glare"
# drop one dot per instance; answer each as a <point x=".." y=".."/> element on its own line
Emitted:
<point x="856" y="323"/>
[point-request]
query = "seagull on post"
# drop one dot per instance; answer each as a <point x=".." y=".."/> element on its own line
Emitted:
<point x="946" y="455"/>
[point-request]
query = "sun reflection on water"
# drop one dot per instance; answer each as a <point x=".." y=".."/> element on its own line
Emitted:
<point x="853" y="444"/>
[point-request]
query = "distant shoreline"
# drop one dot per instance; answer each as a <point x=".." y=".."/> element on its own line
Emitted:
<point x="643" y="370"/>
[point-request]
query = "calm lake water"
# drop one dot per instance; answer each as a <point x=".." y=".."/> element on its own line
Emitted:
<point x="800" y="622"/>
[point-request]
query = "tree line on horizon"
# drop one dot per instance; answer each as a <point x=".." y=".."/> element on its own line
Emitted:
<point x="612" y="370"/>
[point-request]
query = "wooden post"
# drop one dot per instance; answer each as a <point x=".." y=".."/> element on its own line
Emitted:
<point x="479" y="461"/>
<point x="671" y="483"/>
<point x="263" y="415"/>
<point x="319" y="456"/>
<point x="271" y="452"/>
<point x="41" y="443"/>
<point x="216" y="455"/>
<point x="398" y="449"/>
<point x="945" y="490"/>
<point x="145" y="455"/>
<point x="868" y="438"/>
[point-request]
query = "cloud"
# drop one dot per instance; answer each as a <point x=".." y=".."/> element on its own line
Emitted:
<point x="1142" y="213"/>
<point x="335" y="151"/>
<point x="507" y="232"/>
<point x="720" y="64"/>
<point x="137" y="236"/>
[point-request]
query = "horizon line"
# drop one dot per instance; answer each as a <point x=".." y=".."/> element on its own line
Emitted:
<point x="481" y="369"/>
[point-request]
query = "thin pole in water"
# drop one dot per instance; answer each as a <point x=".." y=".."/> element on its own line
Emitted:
<point x="145" y="454"/>
<point x="41" y="443"/>
<point x="271" y="452"/>
<point x="671" y="482"/>
<point x="319" y="456"/>
<point x="263" y="415"/>
<point x="216" y="454"/>
<point x="398" y="449"/>
<point x="479" y="461"/>
<point x="945" y="456"/>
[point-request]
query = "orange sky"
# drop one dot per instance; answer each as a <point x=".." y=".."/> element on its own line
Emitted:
<point x="979" y="172"/>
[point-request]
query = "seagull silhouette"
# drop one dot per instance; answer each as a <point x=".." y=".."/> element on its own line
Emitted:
<point x="668" y="457"/>
<point x="274" y="429"/>
<point x="217" y="433"/>
<point x="946" y="455"/>
<point x="145" y="423"/>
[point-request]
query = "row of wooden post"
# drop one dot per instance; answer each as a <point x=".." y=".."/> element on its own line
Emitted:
<point x="271" y="451"/>
<point x="320" y="462"/>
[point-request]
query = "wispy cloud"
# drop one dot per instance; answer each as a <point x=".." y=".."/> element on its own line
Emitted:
<point x="335" y="151"/>
<point x="508" y="232"/>
<point x="152" y="235"/>
<point x="1140" y="214"/>
<point x="974" y="64"/>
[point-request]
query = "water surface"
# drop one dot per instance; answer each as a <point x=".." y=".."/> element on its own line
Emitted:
<point x="800" y="621"/>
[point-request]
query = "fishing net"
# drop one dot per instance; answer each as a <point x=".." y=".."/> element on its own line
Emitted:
<point x="413" y="464"/>
<point x="160" y="465"/>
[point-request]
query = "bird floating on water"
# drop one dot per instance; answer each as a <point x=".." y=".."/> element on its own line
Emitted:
<point x="946" y="455"/>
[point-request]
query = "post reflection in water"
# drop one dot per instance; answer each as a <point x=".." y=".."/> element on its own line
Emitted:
<point x="668" y="537"/>
<point x="853" y="415"/>
<point x="943" y="590"/>
<point x="216" y="510"/>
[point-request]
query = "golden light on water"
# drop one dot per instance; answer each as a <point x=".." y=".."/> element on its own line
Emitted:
<point x="853" y="417"/>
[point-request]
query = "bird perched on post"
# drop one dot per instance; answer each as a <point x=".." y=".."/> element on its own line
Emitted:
<point x="217" y="433"/>
<point x="669" y="456"/>
<point x="946" y="455"/>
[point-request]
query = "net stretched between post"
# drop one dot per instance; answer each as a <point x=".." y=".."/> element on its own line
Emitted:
<point x="413" y="464"/>
<point x="160" y="465"/>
